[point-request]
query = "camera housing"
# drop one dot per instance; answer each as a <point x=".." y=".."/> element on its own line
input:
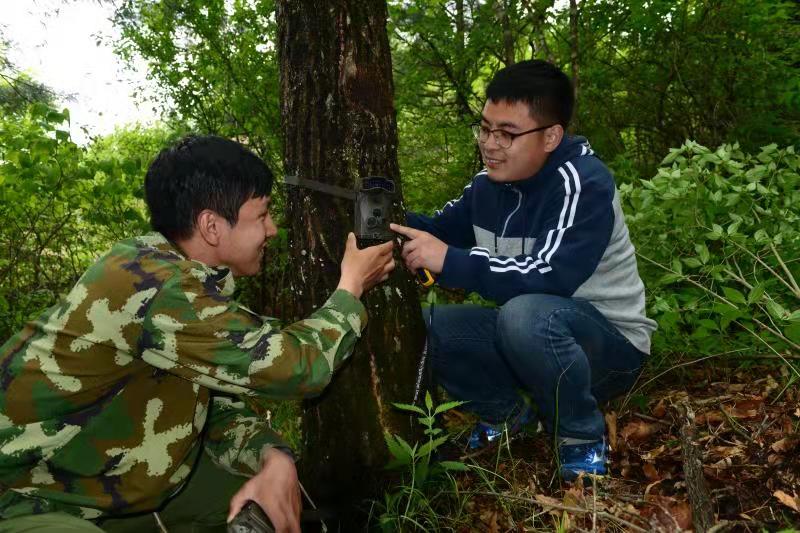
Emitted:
<point x="373" y="209"/>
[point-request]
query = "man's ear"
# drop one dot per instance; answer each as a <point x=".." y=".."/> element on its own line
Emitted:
<point x="209" y="226"/>
<point x="552" y="137"/>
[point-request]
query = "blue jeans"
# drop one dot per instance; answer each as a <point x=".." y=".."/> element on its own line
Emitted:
<point x="560" y="351"/>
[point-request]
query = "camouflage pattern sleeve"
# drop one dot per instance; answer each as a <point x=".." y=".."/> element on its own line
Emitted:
<point x="193" y="329"/>
<point x="236" y="437"/>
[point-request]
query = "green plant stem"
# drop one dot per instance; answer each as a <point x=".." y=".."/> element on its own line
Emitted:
<point x="765" y="265"/>
<point x="725" y="300"/>
<point x="793" y="281"/>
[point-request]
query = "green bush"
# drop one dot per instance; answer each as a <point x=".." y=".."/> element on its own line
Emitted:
<point x="717" y="233"/>
<point x="61" y="207"/>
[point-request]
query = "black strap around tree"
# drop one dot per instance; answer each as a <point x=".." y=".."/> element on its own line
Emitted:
<point x="325" y="188"/>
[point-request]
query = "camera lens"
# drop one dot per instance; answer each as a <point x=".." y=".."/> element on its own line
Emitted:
<point x="372" y="222"/>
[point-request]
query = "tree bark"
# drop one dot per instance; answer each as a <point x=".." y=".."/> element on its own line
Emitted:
<point x="508" y="35"/>
<point x="339" y="125"/>
<point x="699" y="497"/>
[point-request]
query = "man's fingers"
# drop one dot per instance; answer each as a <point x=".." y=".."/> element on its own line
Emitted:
<point x="410" y="247"/>
<point x="411" y="233"/>
<point x="351" y="240"/>
<point x="237" y="502"/>
<point x="387" y="247"/>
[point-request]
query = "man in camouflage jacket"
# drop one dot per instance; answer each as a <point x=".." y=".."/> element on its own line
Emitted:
<point x="110" y="397"/>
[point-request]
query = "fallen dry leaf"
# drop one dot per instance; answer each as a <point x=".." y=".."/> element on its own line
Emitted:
<point x="728" y="451"/>
<point x="711" y="417"/>
<point x="744" y="409"/>
<point x="573" y="496"/>
<point x="650" y="472"/>
<point x="660" y="410"/>
<point x="682" y="512"/>
<point x="784" y="445"/>
<point x="639" y="430"/>
<point x="547" y="501"/>
<point x="667" y="512"/>
<point x="788" y="501"/>
<point x="655" y="452"/>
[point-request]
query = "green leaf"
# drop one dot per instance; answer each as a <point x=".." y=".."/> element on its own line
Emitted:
<point x="792" y="332"/>
<point x="677" y="266"/>
<point x="456" y="466"/>
<point x="776" y="310"/>
<point x="399" y="448"/>
<point x="702" y="252"/>
<point x="431" y="445"/>
<point x="428" y="400"/>
<point x="670" y="278"/>
<point x="691" y="262"/>
<point x="755" y="293"/>
<point x="727" y="311"/>
<point x="409" y="407"/>
<point x="734" y="295"/>
<point x="447" y="406"/>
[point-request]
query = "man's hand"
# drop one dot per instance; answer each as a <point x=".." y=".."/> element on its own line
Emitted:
<point x="276" y="489"/>
<point x="365" y="268"/>
<point x="422" y="250"/>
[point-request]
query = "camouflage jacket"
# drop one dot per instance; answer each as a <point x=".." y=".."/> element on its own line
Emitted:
<point x="109" y="396"/>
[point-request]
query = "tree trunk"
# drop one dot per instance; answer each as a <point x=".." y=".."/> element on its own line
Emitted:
<point x="339" y="125"/>
<point x="503" y="18"/>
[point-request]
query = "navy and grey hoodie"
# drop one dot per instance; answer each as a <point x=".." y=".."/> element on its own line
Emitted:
<point x="560" y="232"/>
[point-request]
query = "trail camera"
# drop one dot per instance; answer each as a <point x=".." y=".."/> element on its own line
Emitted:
<point x="251" y="519"/>
<point x="373" y="209"/>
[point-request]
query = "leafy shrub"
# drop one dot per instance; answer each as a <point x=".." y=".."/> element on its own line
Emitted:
<point x="60" y="208"/>
<point x="718" y="238"/>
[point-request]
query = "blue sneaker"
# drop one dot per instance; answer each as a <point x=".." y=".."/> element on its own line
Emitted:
<point x="485" y="434"/>
<point x="587" y="458"/>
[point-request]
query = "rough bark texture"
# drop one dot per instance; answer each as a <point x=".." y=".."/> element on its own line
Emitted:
<point x="699" y="497"/>
<point x="339" y="124"/>
<point x="501" y="8"/>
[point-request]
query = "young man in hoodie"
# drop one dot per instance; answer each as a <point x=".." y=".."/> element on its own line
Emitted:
<point x="540" y="231"/>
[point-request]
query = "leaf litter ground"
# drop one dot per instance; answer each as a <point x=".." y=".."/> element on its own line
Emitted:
<point x="747" y="429"/>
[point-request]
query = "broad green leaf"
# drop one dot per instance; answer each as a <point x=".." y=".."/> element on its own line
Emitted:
<point x="734" y="295"/>
<point x="792" y="332"/>
<point x="702" y="252"/>
<point x="399" y="452"/>
<point x="409" y="407"/>
<point x="455" y="466"/>
<point x="431" y="445"/>
<point x="776" y="310"/>
<point x="755" y="293"/>
<point x="447" y="406"/>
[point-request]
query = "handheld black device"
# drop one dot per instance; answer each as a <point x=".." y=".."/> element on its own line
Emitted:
<point x="373" y="209"/>
<point x="251" y="519"/>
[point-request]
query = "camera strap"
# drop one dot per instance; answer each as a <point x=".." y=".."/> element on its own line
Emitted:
<point x="325" y="188"/>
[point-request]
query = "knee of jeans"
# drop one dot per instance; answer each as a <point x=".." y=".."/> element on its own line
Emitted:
<point x="529" y="331"/>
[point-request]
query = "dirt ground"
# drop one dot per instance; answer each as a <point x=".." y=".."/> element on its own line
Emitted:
<point x="746" y="433"/>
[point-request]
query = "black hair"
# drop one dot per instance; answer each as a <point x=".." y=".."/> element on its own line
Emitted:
<point x="202" y="172"/>
<point x="546" y="90"/>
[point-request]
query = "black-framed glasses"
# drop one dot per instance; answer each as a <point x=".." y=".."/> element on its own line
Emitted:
<point x="502" y="137"/>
